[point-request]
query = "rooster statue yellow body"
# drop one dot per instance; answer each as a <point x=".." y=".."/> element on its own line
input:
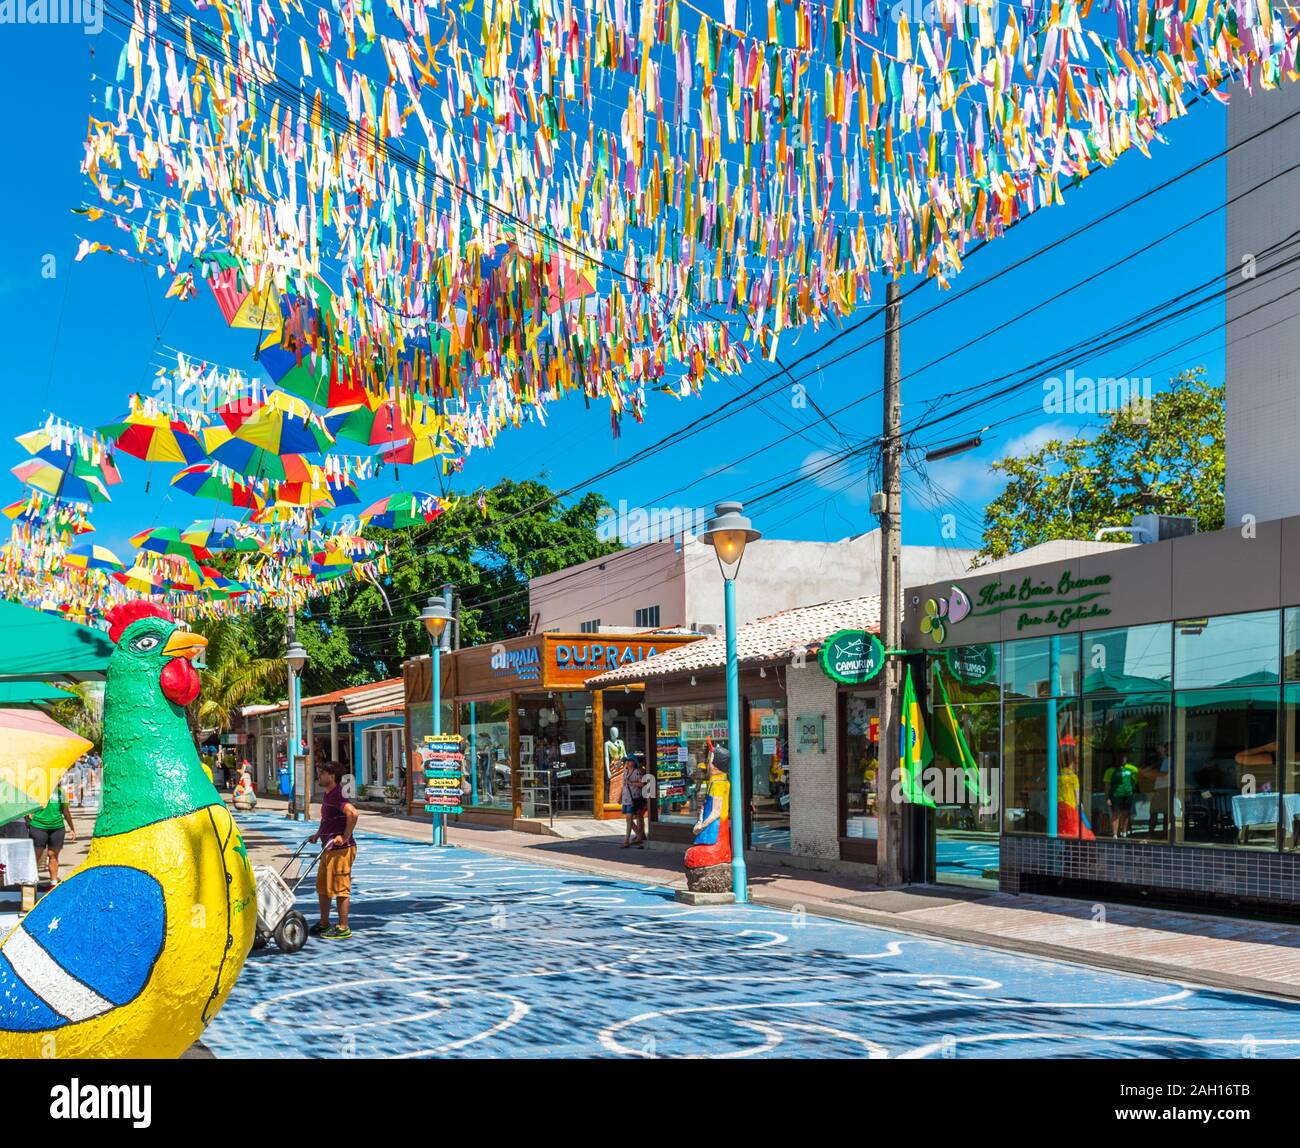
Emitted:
<point x="136" y="951"/>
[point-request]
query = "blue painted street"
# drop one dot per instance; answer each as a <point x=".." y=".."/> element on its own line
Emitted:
<point x="458" y="953"/>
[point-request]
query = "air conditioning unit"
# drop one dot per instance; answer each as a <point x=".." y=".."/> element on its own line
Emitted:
<point x="1162" y="527"/>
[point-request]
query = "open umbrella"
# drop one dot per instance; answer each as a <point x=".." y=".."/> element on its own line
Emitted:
<point x="375" y="424"/>
<point x="281" y="424"/>
<point x="155" y="437"/>
<point x="418" y="450"/>
<point x="215" y="481"/>
<point x="224" y="534"/>
<point x="89" y="556"/>
<point x="168" y="540"/>
<point x="35" y="751"/>
<point x="407" y="508"/>
<point x="242" y="304"/>
<point x="63" y="482"/>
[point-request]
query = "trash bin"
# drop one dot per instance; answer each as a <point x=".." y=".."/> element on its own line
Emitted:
<point x="286" y="782"/>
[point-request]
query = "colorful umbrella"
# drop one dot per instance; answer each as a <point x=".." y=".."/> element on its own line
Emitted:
<point x="155" y="437"/>
<point x="32" y="509"/>
<point x="140" y="579"/>
<point x="418" y="450"/>
<point x="61" y="482"/>
<point x="377" y="424"/>
<point x="37" y="752"/>
<point x="240" y="303"/>
<point x="251" y="460"/>
<point x="168" y="540"/>
<point x="89" y="556"/>
<point x="281" y="424"/>
<point x="407" y="508"/>
<point x="224" y="534"/>
<point x="213" y="480"/>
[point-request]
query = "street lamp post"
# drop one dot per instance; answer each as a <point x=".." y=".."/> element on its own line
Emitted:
<point x="296" y="657"/>
<point x="728" y="532"/>
<point x="435" y="617"/>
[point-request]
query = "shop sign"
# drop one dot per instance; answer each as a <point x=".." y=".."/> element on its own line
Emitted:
<point x="594" y="658"/>
<point x="810" y="731"/>
<point x="442" y="759"/>
<point x="852" y="657"/>
<point x="769" y="725"/>
<point x="670" y="768"/>
<point x="973" y="665"/>
<point x="1062" y="603"/>
<point x="524" y="664"/>
<point x="699" y="730"/>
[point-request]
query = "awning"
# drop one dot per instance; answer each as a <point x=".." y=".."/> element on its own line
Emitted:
<point x="41" y="647"/>
<point x="27" y="693"/>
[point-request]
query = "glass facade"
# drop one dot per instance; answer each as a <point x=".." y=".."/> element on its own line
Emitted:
<point x="680" y="756"/>
<point x="1181" y="733"/>
<point x="485" y="726"/>
<point x="769" y="772"/>
<point x="861" y="759"/>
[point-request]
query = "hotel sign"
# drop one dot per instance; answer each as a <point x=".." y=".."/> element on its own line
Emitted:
<point x="1033" y="601"/>
<point x="852" y="657"/>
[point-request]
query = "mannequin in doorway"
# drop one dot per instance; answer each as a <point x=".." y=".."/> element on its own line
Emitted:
<point x="615" y="753"/>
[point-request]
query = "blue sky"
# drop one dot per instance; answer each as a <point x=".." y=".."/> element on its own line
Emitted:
<point x="80" y="343"/>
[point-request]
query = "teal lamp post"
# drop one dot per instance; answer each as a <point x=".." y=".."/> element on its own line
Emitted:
<point x="729" y="532"/>
<point x="435" y="617"/>
<point x="296" y="657"/>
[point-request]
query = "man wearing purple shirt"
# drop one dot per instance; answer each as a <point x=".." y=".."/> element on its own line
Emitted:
<point x="338" y="817"/>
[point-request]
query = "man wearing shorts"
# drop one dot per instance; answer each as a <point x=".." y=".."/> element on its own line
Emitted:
<point x="47" y="830"/>
<point x="338" y="817"/>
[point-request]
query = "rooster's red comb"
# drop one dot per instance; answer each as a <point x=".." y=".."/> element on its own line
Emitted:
<point x="119" y="617"/>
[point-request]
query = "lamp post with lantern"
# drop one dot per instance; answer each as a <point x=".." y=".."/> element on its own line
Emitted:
<point x="729" y="532"/>
<point x="296" y="658"/>
<point x="435" y="617"/>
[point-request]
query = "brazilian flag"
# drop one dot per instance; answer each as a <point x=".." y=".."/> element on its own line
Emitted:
<point x="916" y="752"/>
<point x="951" y="742"/>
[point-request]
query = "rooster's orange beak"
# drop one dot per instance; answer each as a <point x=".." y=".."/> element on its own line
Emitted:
<point x="183" y="644"/>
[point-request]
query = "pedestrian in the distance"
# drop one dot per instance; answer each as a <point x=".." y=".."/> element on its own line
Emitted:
<point x="338" y="818"/>
<point x="649" y="790"/>
<point x="47" y="827"/>
<point x="633" y="802"/>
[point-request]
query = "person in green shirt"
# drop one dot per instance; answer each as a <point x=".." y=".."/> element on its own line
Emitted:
<point x="47" y="830"/>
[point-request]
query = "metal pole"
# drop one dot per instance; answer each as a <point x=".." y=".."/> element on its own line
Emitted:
<point x="889" y="816"/>
<point x="436" y="695"/>
<point x="739" y="876"/>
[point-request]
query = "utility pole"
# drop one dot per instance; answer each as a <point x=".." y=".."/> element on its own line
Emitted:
<point x="889" y="813"/>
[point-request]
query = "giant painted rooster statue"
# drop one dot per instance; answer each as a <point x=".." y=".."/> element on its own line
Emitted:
<point x="136" y="951"/>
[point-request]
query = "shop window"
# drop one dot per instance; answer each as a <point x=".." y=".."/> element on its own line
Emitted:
<point x="769" y="772"/>
<point x="1128" y="774"/>
<point x="1041" y="788"/>
<point x="860" y="758"/>
<point x="647" y="618"/>
<point x="1041" y="667"/>
<point x="1289" y="800"/>
<point x="969" y="673"/>
<point x="681" y="757"/>
<point x="1226" y="757"/>
<point x="555" y="753"/>
<point x="624" y="739"/>
<point x="1291" y="644"/>
<point x="1136" y="659"/>
<point x="485" y="727"/>
<point x="1230" y="650"/>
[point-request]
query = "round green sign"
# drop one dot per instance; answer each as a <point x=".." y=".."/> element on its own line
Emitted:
<point x="852" y="656"/>
<point x="973" y="665"/>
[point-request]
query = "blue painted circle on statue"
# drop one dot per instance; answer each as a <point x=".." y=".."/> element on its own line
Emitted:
<point x="105" y="926"/>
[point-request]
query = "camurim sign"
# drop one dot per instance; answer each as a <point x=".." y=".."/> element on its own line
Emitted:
<point x="852" y="656"/>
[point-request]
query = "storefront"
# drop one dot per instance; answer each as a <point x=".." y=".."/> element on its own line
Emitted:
<point x="1135" y="713"/>
<point x="539" y="744"/>
<point x="808" y="753"/>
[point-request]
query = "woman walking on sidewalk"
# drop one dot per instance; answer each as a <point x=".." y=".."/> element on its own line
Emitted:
<point x="633" y="803"/>
<point x="47" y="830"/>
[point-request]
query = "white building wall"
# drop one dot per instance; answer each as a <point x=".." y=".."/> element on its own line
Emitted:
<point x="1263" y="351"/>
<point x="814" y="781"/>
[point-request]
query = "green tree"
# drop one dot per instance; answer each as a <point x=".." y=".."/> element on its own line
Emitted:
<point x="236" y="673"/>
<point x="1168" y="459"/>
<point x="83" y="713"/>
<point x="488" y="547"/>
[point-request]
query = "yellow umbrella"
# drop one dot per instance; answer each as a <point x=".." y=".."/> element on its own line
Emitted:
<point x="35" y="751"/>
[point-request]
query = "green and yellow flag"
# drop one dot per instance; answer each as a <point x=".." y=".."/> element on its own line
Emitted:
<point x="951" y="742"/>
<point x="916" y="752"/>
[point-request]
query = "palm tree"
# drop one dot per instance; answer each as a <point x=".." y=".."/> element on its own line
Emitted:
<point x="232" y="676"/>
<point x="83" y="713"/>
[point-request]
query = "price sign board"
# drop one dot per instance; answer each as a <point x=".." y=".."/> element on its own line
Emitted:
<point x="442" y="758"/>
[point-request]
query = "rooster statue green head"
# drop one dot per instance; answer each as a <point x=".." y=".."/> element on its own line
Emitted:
<point x="151" y="765"/>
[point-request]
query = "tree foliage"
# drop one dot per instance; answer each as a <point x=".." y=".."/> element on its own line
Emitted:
<point x="487" y="548"/>
<point x="1167" y="459"/>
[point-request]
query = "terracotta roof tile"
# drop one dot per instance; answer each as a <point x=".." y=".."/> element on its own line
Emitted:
<point x="763" y="640"/>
